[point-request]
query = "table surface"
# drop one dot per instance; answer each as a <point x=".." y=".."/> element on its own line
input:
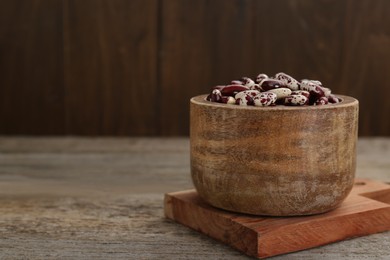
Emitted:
<point x="102" y="198"/>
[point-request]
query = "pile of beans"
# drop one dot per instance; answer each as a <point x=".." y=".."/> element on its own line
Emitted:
<point x="270" y="91"/>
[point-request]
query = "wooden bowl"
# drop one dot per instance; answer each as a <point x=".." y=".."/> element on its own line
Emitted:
<point x="276" y="161"/>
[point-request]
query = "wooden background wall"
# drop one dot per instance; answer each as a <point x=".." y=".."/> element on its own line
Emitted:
<point x="129" y="67"/>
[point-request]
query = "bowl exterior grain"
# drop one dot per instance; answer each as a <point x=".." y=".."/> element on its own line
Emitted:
<point x="277" y="161"/>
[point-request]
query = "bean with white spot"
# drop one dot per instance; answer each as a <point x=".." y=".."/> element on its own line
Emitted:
<point x="228" y="100"/>
<point x="317" y="82"/>
<point x="295" y="100"/>
<point x="245" y="98"/>
<point x="290" y="82"/>
<point x="321" y="101"/>
<point x="301" y="92"/>
<point x="216" y="95"/>
<point x="314" y="89"/>
<point x="280" y="92"/>
<point x="327" y="91"/>
<point x="333" y="99"/>
<point x="267" y="84"/>
<point x="260" y="77"/>
<point x="256" y="87"/>
<point x="265" y="99"/>
<point x="252" y="93"/>
<point x="248" y="82"/>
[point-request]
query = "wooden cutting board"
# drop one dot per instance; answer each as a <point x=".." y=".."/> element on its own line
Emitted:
<point x="365" y="211"/>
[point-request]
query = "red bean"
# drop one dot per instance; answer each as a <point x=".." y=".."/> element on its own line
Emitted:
<point x="268" y="84"/>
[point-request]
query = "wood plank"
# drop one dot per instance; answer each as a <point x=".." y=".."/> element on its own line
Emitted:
<point x="203" y="43"/>
<point x="290" y="38"/>
<point x="110" y="67"/>
<point x="269" y="236"/>
<point x="31" y="67"/>
<point x="365" y="59"/>
<point x="102" y="198"/>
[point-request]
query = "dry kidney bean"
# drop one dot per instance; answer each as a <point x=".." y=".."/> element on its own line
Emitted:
<point x="301" y="92"/>
<point x="252" y="93"/>
<point x="290" y="82"/>
<point x="245" y="98"/>
<point x="248" y="82"/>
<point x="333" y="99"/>
<point x="231" y="90"/>
<point x="280" y="92"/>
<point x="267" y="84"/>
<point x="260" y="77"/>
<point x="228" y="100"/>
<point x="268" y="91"/>
<point x="314" y="89"/>
<point x="327" y="91"/>
<point x="256" y="87"/>
<point x="321" y="101"/>
<point x="265" y="99"/>
<point x="317" y="82"/>
<point x="216" y="95"/>
<point x="296" y="100"/>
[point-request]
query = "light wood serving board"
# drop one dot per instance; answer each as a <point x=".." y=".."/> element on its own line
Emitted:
<point x="365" y="211"/>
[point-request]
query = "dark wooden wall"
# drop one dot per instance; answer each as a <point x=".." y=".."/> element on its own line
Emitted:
<point x="129" y="67"/>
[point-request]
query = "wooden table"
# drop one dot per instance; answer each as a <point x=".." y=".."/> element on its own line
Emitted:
<point x="101" y="198"/>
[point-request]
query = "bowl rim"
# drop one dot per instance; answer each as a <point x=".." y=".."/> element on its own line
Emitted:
<point x="347" y="101"/>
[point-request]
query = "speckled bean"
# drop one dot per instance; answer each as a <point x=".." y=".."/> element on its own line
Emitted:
<point x="290" y="82"/>
<point x="216" y="95"/>
<point x="228" y="100"/>
<point x="245" y="98"/>
<point x="267" y="84"/>
<point x="333" y="99"/>
<point x="327" y="91"/>
<point x="260" y="77"/>
<point x="296" y="100"/>
<point x="314" y="89"/>
<point x="265" y="99"/>
<point x="321" y="101"/>
<point x="301" y="92"/>
<point x="248" y="82"/>
<point x="256" y="87"/>
<point x="280" y="92"/>
<point x="317" y="82"/>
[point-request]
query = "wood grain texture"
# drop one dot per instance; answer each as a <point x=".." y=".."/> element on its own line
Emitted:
<point x="102" y="198"/>
<point x="365" y="61"/>
<point x="304" y="40"/>
<point x="202" y="45"/>
<point x="31" y="67"/>
<point x="277" y="161"/>
<point x="264" y="237"/>
<point x="110" y="67"/>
